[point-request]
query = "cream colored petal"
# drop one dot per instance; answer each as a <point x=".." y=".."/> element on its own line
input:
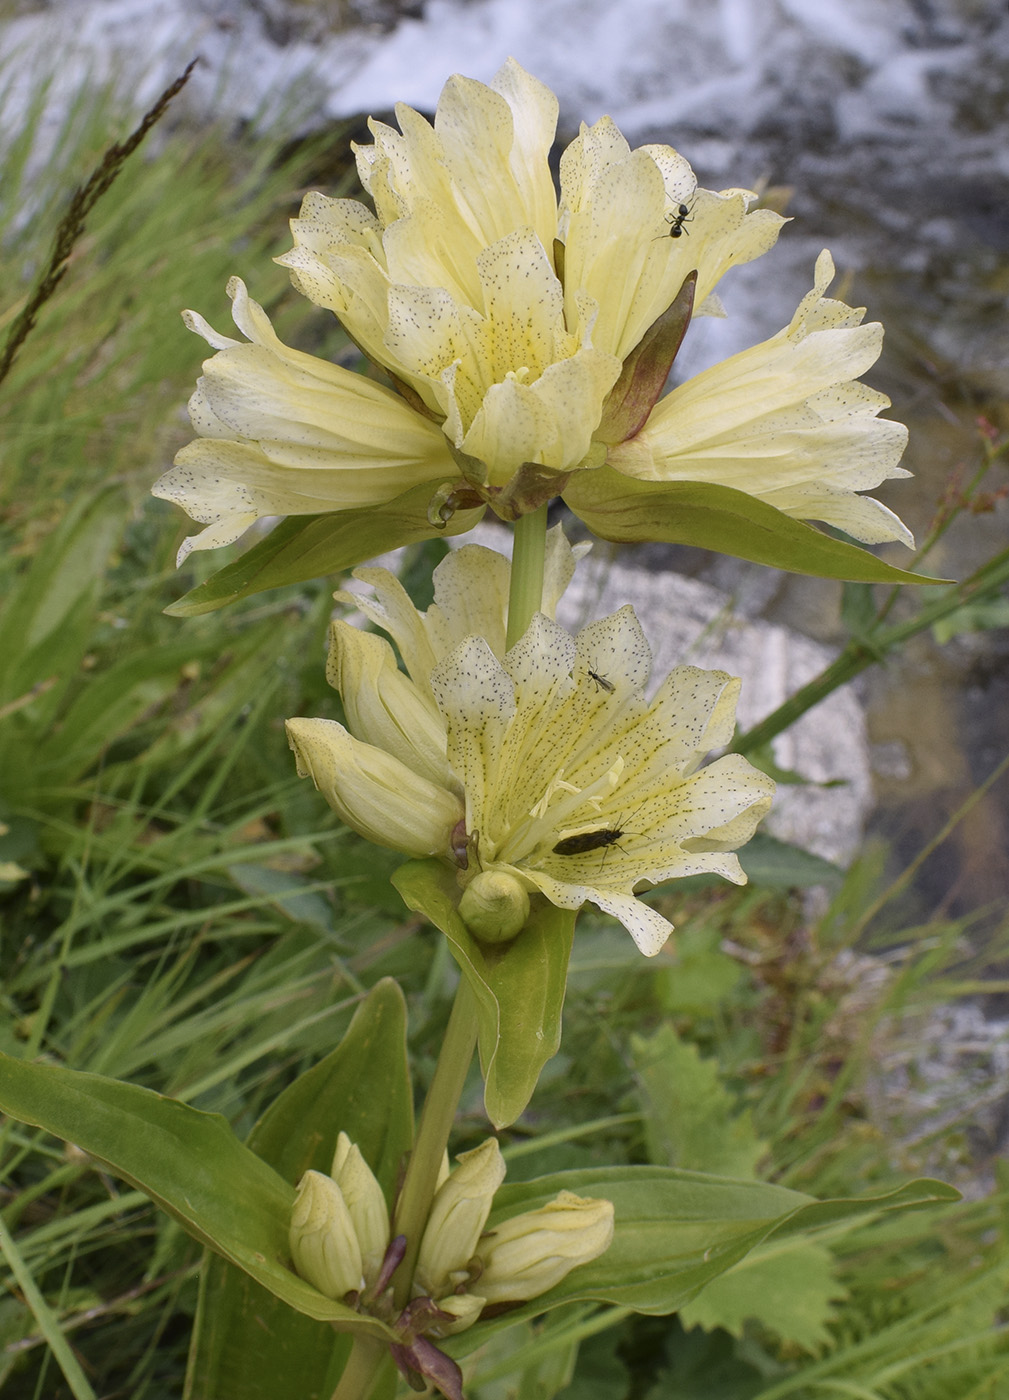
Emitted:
<point x="558" y="568"/>
<point x="475" y="694"/>
<point x="392" y="609"/>
<point x="616" y="649"/>
<point x="528" y="1254"/>
<point x="728" y="234"/>
<point x="786" y="421"/>
<point x="374" y="793"/>
<point x="549" y="422"/>
<point x="534" y="115"/>
<point x="383" y="707"/>
<point x="611" y="242"/>
<point x="471" y="587"/>
<point x="476" y="125"/>
<point x="645" y="925"/>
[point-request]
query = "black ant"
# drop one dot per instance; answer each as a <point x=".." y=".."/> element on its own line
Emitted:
<point x="677" y="220"/>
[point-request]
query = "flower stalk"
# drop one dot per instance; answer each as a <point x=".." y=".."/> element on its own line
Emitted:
<point x="436" y="1121"/>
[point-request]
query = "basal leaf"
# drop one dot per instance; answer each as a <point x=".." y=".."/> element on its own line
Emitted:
<point x="189" y="1163"/>
<point x="519" y="986"/>
<point x="247" y="1344"/>
<point x="623" y="509"/>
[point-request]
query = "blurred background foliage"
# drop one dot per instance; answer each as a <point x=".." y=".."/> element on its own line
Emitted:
<point x="177" y="909"/>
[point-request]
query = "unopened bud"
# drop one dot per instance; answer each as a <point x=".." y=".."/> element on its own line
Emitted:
<point x="494" y="906"/>
<point x="459" y="1212"/>
<point x="526" y="1255"/>
<point x="323" y="1242"/>
<point x="365" y="1203"/>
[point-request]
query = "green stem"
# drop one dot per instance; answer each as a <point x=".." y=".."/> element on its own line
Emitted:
<point x="366" y="1359"/>
<point x="528" y="559"/>
<point x="436" y="1121"/>
<point x="858" y="655"/>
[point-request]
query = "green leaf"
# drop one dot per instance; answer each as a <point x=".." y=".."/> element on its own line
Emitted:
<point x="519" y="986"/>
<point x="247" y="1344"/>
<point x="623" y="509"/>
<point x="189" y="1163"/>
<point x="691" y="1120"/>
<point x="777" y="865"/>
<point x="787" y="1286"/>
<point x="311" y="546"/>
<point x="675" y="1232"/>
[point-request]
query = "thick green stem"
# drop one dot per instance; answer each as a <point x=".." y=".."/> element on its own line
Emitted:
<point x="528" y="558"/>
<point x="367" y="1357"/>
<point x="436" y="1121"/>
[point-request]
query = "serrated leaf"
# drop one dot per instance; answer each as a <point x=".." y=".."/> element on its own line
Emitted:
<point x="519" y="986"/>
<point x="247" y="1344"/>
<point x="788" y="1288"/>
<point x="690" y="1118"/>
<point x="312" y="546"/>
<point x="625" y="510"/>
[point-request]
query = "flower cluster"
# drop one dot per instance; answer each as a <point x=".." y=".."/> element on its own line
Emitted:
<point x="546" y="766"/>
<point x="518" y="332"/>
<point x="340" y="1242"/>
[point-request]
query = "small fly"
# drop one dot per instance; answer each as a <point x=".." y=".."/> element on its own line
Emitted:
<point x="601" y="682"/>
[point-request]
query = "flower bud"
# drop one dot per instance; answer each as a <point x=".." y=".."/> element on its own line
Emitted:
<point x="324" y="1245"/>
<point x="376" y="794"/>
<point x="494" y="906"/>
<point x="365" y="1203"/>
<point x="526" y="1255"/>
<point x="459" y="1212"/>
<point x="463" y="1310"/>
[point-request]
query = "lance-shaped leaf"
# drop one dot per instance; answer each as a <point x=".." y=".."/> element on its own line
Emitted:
<point x="310" y="546"/>
<point x="675" y="1232"/>
<point x="626" y="510"/>
<point x="519" y="986"/>
<point x="189" y="1163"/>
<point x="247" y="1344"/>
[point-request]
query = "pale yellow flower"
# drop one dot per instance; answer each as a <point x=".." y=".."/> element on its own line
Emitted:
<point x="786" y="421"/>
<point x="560" y="772"/>
<point x="502" y="315"/>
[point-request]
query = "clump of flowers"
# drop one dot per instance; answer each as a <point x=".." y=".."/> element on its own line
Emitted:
<point x="340" y="1243"/>
<point x="545" y="767"/>
<point x="527" y="339"/>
